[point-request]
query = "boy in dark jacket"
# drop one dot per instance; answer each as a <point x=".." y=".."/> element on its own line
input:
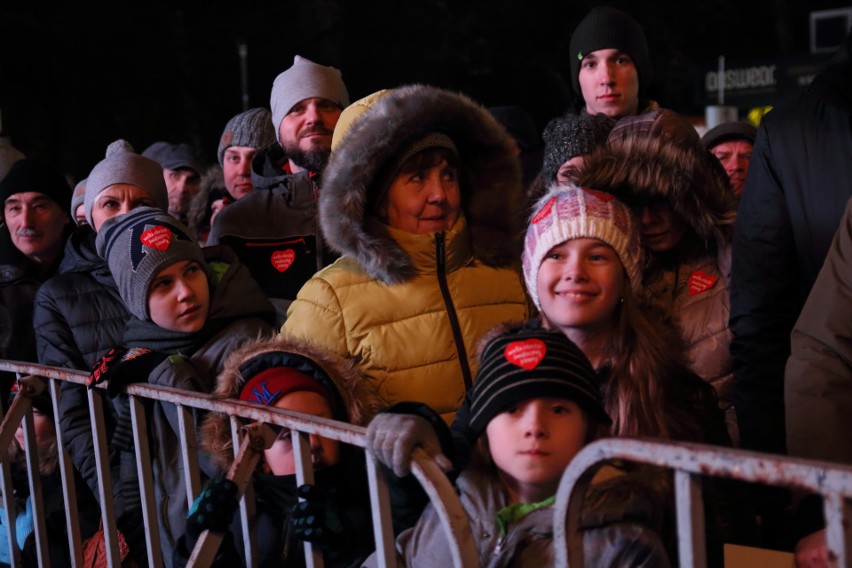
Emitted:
<point x="189" y="309"/>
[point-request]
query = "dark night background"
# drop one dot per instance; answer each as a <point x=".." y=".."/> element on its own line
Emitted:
<point x="74" y="78"/>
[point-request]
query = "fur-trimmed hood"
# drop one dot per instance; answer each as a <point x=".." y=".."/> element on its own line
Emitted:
<point x="359" y="402"/>
<point x="641" y="166"/>
<point x="490" y="171"/>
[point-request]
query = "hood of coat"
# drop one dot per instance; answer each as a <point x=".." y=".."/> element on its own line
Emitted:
<point x="266" y="168"/>
<point x="490" y="172"/>
<point x="81" y="255"/>
<point x="359" y="402"/>
<point x="641" y="167"/>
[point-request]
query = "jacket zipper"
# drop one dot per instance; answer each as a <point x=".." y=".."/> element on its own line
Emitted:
<point x="441" y="254"/>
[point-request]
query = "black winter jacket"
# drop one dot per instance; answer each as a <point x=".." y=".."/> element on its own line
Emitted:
<point x="794" y="196"/>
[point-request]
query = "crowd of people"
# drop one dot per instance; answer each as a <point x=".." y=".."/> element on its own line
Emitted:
<point x="393" y="263"/>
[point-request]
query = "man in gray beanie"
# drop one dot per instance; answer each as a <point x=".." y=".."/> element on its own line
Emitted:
<point x="182" y="166"/>
<point x="275" y="230"/>
<point x="610" y="66"/>
<point x="732" y="143"/>
<point x="244" y="135"/>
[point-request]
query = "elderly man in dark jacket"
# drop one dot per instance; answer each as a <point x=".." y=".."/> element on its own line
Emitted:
<point x="35" y="224"/>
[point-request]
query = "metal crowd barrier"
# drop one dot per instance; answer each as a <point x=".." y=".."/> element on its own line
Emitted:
<point x="690" y="462"/>
<point x="248" y="443"/>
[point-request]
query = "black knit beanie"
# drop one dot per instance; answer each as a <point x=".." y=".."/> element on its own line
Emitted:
<point x="33" y="176"/>
<point x="572" y="135"/>
<point x="532" y="363"/>
<point x="609" y="28"/>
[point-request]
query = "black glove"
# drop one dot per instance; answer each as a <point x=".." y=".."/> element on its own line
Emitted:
<point x="124" y="366"/>
<point x="102" y="369"/>
<point x="213" y="509"/>
<point x="316" y="518"/>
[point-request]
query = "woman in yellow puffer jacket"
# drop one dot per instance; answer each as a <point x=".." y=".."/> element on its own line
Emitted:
<point x="421" y="198"/>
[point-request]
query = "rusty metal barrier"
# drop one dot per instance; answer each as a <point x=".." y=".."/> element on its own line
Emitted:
<point x="690" y="462"/>
<point x="247" y="444"/>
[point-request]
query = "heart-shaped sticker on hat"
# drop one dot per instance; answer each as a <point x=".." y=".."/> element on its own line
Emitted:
<point x="283" y="259"/>
<point x="699" y="281"/>
<point x="525" y="354"/>
<point x="159" y="237"/>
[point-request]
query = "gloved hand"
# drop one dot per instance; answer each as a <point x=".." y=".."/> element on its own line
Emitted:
<point x="105" y="365"/>
<point x="392" y="437"/>
<point x="213" y="509"/>
<point x="122" y="366"/>
<point x="316" y="518"/>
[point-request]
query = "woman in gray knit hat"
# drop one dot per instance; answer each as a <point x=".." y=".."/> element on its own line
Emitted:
<point x="78" y="314"/>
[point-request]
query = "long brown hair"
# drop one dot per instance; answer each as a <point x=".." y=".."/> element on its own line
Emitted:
<point x="644" y="354"/>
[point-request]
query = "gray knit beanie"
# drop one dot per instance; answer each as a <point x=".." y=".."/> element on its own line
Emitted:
<point x="305" y="80"/>
<point x="572" y="135"/>
<point x="78" y="197"/>
<point x="123" y="165"/>
<point x="252" y="128"/>
<point x="609" y="28"/>
<point x="137" y="245"/>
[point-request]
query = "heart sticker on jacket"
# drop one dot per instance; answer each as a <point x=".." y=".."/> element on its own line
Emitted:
<point x="283" y="259"/>
<point x="700" y="281"/>
<point x="525" y="354"/>
<point x="158" y="237"/>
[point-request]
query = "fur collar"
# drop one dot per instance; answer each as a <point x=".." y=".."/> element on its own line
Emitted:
<point x="359" y="400"/>
<point x="655" y="167"/>
<point x="491" y="194"/>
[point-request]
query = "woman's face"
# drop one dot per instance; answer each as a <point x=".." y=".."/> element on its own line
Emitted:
<point x="426" y="200"/>
<point x="580" y="283"/>
<point x="662" y="229"/>
<point x="118" y="199"/>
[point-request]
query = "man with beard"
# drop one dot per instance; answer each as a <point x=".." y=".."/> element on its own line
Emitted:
<point x="35" y="224"/>
<point x="275" y="230"/>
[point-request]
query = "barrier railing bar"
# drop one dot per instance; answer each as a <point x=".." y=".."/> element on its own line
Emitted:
<point x="34" y="479"/>
<point x="189" y="454"/>
<point x="247" y="503"/>
<point x="305" y="474"/>
<point x="433" y="480"/>
<point x="832" y="481"/>
<point x="257" y="438"/>
<point x="380" y="506"/>
<point x="453" y="517"/>
<point x="145" y="472"/>
<point x="69" y="486"/>
<point x="690" y="520"/>
<point x="837" y="534"/>
<point x="7" y="498"/>
<point x="96" y="415"/>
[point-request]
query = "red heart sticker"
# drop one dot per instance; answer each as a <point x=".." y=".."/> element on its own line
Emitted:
<point x="545" y="211"/>
<point x="283" y="259"/>
<point x="158" y="237"/>
<point x="700" y="281"/>
<point x="525" y="354"/>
